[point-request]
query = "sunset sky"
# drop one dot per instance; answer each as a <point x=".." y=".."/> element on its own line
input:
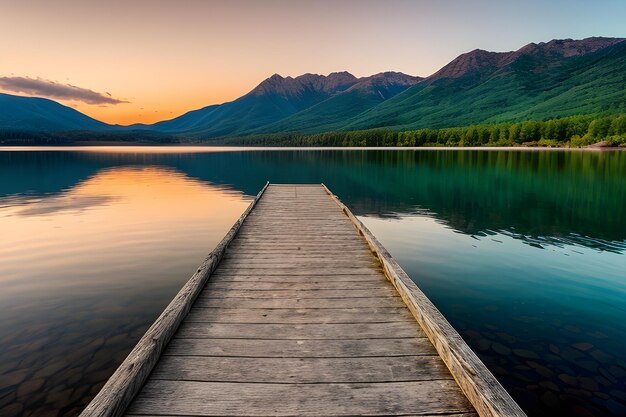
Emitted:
<point x="148" y="60"/>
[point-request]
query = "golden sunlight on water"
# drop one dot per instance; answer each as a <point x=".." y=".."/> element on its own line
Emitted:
<point x="86" y="270"/>
<point x="109" y="218"/>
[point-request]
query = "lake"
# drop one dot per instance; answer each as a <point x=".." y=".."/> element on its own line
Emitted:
<point x="524" y="252"/>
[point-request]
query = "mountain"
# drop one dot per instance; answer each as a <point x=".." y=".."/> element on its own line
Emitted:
<point x="332" y="113"/>
<point x="274" y="99"/>
<point x="538" y="81"/>
<point x="34" y="114"/>
<point x="557" y="78"/>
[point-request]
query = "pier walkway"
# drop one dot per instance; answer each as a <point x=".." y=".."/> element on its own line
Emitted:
<point x="301" y="312"/>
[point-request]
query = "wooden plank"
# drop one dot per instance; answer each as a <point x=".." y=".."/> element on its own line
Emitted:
<point x="220" y="399"/>
<point x="300" y="271"/>
<point x="299" y="224"/>
<point x="271" y="235"/>
<point x="300" y="285"/>
<point x="479" y="385"/>
<point x="301" y="370"/>
<point x="299" y="303"/>
<point x="295" y="254"/>
<point x="281" y="316"/>
<point x="302" y="221"/>
<point x="334" y="331"/>
<point x="298" y="254"/>
<point x="306" y="246"/>
<point x="299" y="263"/>
<point x="421" y="415"/>
<point x="408" y="346"/>
<point x="298" y="279"/>
<point x="299" y="294"/>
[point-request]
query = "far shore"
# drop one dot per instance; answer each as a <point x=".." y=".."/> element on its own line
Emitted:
<point x="204" y="147"/>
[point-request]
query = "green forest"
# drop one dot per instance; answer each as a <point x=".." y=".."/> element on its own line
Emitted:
<point x="573" y="131"/>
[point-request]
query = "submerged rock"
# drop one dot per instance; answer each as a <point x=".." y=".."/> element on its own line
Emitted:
<point x="584" y="346"/>
<point x="500" y="349"/>
<point x="568" y="379"/>
<point x="550" y="399"/>
<point x="527" y="354"/>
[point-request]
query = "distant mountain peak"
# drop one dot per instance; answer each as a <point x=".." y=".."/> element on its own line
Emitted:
<point x="481" y="61"/>
<point x="477" y="60"/>
<point x="386" y="80"/>
<point x="286" y="86"/>
<point x="566" y="48"/>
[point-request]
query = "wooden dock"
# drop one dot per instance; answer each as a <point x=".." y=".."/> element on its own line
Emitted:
<point x="301" y="312"/>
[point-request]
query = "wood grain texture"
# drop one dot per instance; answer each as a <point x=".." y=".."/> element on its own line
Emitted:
<point x="298" y="303"/>
<point x="295" y="294"/>
<point x="301" y="370"/>
<point x="250" y="276"/>
<point x="313" y="284"/>
<point x="249" y="399"/>
<point x="298" y="316"/>
<point x="328" y="331"/>
<point x="285" y="348"/>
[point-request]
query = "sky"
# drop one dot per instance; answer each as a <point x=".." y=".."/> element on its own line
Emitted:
<point x="140" y="61"/>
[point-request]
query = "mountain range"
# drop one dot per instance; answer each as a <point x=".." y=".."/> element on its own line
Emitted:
<point x="538" y="81"/>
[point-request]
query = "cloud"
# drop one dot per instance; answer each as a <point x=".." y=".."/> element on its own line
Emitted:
<point x="51" y="89"/>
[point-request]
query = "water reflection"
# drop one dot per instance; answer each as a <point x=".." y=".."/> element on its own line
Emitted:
<point x="86" y="269"/>
<point x="522" y="251"/>
<point x="547" y="320"/>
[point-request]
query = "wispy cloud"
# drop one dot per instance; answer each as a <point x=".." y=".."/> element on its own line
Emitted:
<point x="51" y="89"/>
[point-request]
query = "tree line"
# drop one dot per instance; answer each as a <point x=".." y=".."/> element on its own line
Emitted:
<point x="573" y="131"/>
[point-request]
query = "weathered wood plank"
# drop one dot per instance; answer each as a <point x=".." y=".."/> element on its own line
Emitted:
<point x="299" y="285"/>
<point x="299" y="293"/>
<point x="408" y="346"/>
<point x="334" y="331"/>
<point x="220" y="399"/>
<point x="299" y="271"/>
<point x="421" y="415"/>
<point x="301" y="370"/>
<point x="281" y="316"/>
<point x="313" y="247"/>
<point x="298" y="263"/>
<point x="330" y="256"/>
<point x="251" y="277"/>
<point x="299" y="303"/>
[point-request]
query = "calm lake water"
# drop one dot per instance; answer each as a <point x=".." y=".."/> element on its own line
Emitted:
<point x="523" y="251"/>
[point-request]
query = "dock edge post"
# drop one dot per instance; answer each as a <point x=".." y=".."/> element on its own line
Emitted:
<point x="120" y="389"/>
<point x="478" y="384"/>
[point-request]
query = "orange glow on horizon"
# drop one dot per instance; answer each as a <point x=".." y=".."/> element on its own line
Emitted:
<point x="166" y="58"/>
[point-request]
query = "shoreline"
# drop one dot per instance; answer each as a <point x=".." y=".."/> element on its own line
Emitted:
<point x="100" y="146"/>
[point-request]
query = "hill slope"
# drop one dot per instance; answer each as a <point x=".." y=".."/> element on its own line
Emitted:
<point x="39" y="114"/>
<point x="332" y="113"/>
<point x="274" y="99"/>
<point x="557" y="78"/>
